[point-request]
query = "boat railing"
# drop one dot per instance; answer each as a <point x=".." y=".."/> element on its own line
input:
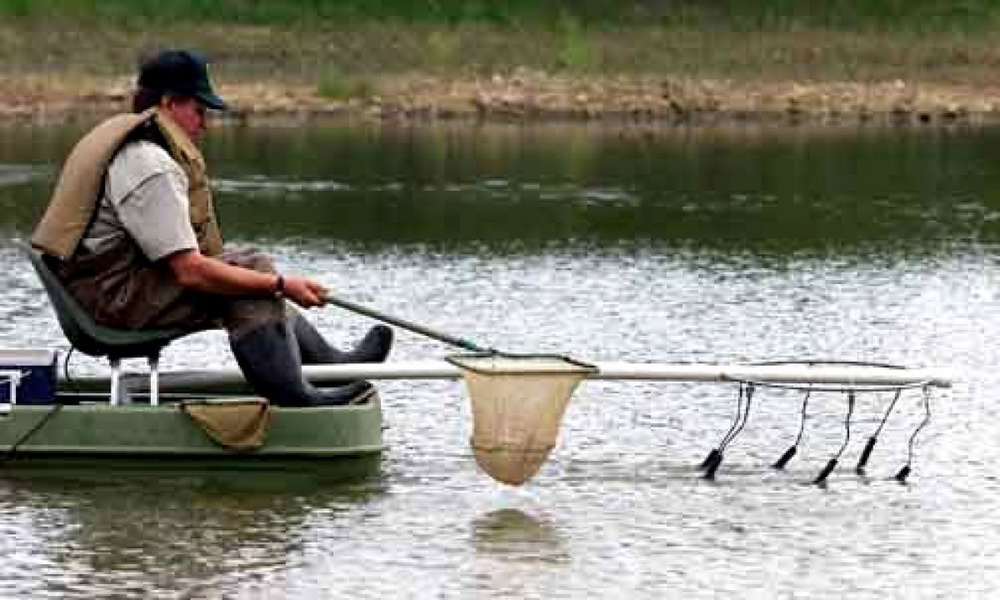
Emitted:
<point x="11" y="378"/>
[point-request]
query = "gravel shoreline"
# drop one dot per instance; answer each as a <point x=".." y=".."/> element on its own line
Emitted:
<point x="528" y="96"/>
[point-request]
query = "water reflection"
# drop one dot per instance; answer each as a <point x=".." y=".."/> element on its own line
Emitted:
<point x="515" y="189"/>
<point x="190" y="534"/>
<point x="511" y="534"/>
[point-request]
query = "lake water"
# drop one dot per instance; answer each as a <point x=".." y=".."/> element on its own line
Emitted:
<point x="705" y="244"/>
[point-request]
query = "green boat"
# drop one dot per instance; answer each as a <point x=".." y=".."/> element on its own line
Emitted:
<point x="342" y="442"/>
<point x="59" y="424"/>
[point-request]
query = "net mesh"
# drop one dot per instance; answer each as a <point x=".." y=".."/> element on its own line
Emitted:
<point x="517" y="406"/>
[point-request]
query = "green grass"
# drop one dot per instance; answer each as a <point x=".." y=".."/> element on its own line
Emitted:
<point x="739" y="15"/>
<point x="339" y="59"/>
<point x="342" y="47"/>
<point x="286" y="12"/>
<point x="336" y="85"/>
<point x="576" y="52"/>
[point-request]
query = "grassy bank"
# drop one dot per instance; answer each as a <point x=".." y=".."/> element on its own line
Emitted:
<point x="587" y="58"/>
<point x="885" y="15"/>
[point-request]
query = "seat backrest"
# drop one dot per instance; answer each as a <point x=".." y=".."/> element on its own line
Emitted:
<point x="84" y="333"/>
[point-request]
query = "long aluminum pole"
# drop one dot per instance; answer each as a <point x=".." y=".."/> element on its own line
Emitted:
<point x="844" y="375"/>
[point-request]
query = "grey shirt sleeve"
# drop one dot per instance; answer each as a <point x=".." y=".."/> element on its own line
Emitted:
<point x="148" y="191"/>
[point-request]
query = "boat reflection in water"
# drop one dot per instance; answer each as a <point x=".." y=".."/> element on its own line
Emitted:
<point x="96" y="533"/>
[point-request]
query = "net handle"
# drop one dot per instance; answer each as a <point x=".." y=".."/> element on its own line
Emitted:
<point x="409" y="325"/>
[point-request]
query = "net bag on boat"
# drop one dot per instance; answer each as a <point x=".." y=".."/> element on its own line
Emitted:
<point x="517" y="407"/>
<point x="239" y="425"/>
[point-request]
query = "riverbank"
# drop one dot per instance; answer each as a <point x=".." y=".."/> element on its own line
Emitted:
<point x="529" y="95"/>
<point x="477" y="71"/>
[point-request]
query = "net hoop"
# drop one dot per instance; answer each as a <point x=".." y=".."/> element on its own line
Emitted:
<point x="517" y="402"/>
<point x="561" y="364"/>
<point x="831" y="387"/>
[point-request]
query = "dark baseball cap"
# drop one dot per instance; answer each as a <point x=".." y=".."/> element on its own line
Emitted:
<point x="180" y="72"/>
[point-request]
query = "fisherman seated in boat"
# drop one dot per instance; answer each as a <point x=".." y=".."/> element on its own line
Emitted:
<point x="132" y="233"/>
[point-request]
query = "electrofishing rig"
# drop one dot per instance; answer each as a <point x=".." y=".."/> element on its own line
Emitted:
<point x="851" y="390"/>
<point x="518" y="400"/>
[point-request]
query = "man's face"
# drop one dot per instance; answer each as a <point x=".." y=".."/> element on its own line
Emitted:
<point x="188" y="113"/>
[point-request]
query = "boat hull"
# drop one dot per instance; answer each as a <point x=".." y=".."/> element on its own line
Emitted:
<point x="341" y="442"/>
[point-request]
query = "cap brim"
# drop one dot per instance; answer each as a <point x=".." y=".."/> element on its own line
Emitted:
<point x="211" y="100"/>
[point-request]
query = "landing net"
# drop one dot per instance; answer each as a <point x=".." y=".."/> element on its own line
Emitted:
<point x="518" y="403"/>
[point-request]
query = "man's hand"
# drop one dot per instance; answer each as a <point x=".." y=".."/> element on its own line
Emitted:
<point x="304" y="292"/>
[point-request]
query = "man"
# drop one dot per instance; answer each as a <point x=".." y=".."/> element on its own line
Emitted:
<point x="131" y="232"/>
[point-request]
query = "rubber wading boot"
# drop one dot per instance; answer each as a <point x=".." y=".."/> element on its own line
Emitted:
<point x="315" y="350"/>
<point x="270" y="361"/>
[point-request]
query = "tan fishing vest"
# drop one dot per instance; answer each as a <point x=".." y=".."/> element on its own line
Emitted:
<point x="81" y="183"/>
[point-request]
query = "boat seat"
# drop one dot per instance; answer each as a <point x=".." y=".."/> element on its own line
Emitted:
<point x="94" y="339"/>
